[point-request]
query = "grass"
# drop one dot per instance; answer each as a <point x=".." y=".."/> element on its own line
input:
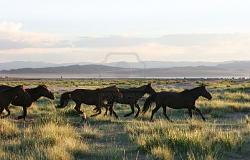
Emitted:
<point x="182" y="140"/>
<point x="61" y="134"/>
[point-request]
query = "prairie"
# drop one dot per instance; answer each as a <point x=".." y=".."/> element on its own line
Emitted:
<point x="52" y="133"/>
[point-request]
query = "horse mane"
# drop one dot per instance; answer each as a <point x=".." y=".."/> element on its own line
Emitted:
<point x="9" y="90"/>
<point x="185" y="91"/>
<point x="106" y="88"/>
<point x="42" y="85"/>
<point x="138" y="88"/>
<point x="191" y="90"/>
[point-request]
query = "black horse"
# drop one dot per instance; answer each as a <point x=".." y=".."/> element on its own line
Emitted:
<point x="98" y="97"/>
<point x="131" y="96"/>
<point x="28" y="97"/>
<point x="177" y="100"/>
<point x="7" y="96"/>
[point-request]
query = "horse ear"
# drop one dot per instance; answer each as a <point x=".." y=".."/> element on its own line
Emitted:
<point x="203" y="85"/>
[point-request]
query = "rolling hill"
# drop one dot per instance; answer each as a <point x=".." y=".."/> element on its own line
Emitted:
<point x="230" y="69"/>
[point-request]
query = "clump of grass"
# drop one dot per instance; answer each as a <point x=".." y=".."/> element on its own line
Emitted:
<point x="90" y="132"/>
<point x="194" y="140"/>
<point x="224" y="106"/>
<point x="8" y="129"/>
<point x="163" y="153"/>
<point x="49" y="141"/>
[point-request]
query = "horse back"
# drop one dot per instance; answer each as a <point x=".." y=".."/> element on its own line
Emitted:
<point x="4" y="87"/>
<point x="174" y="100"/>
<point x="20" y="100"/>
<point x="130" y="95"/>
<point x="86" y="96"/>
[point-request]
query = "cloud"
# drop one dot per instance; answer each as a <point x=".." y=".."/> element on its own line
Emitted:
<point x="14" y="40"/>
<point x="12" y="37"/>
<point x="9" y="26"/>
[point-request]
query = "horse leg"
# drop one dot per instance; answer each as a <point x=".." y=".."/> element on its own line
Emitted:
<point x="198" y="110"/>
<point x="24" y="114"/>
<point x="165" y="113"/>
<point x="77" y="108"/>
<point x="99" y="111"/>
<point x="106" y="112"/>
<point x="132" y="112"/>
<point x="190" y="112"/>
<point x="8" y="111"/>
<point x="95" y="109"/>
<point x="1" y="111"/>
<point x="154" y="111"/>
<point x="138" y="110"/>
<point x="111" y="110"/>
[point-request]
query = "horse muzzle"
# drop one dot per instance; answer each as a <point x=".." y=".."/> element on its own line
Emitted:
<point x="51" y="96"/>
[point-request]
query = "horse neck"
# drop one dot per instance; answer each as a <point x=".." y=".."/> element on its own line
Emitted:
<point x="194" y="93"/>
<point x="34" y="93"/>
<point x="140" y="90"/>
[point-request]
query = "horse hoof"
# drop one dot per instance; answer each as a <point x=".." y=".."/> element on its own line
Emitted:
<point x="136" y="116"/>
<point x="2" y="117"/>
<point x="19" y="117"/>
<point x="94" y="115"/>
<point x="28" y="120"/>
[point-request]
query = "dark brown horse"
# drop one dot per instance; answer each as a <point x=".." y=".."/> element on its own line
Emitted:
<point x="98" y="97"/>
<point x="177" y="100"/>
<point x="7" y="96"/>
<point x="131" y="96"/>
<point x="28" y="97"/>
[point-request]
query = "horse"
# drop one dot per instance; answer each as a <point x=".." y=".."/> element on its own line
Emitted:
<point x="177" y="100"/>
<point x="100" y="97"/>
<point x="7" y="96"/>
<point x="131" y="97"/>
<point x="28" y="97"/>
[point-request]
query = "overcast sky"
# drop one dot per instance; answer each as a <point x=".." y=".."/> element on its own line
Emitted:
<point x="87" y="30"/>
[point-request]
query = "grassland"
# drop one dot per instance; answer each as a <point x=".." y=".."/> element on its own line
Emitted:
<point x="51" y="133"/>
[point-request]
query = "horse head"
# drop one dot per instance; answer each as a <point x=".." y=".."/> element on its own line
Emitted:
<point x="116" y="92"/>
<point x="148" y="89"/>
<point x="204" y="93"/>
<point x="43" y="89"/>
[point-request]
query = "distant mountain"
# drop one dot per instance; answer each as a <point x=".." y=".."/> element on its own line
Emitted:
<point x="159" y="64"/>
<point x="236" y="65"/>
<point x="33" y="64"/>
<point x="221" y="70"/>
<point x="123" y="64"/>
<point x="72" y="69"/>
<point x="24" y="64"/>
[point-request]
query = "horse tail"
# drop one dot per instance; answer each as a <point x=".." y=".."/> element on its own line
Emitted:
<point x="148" y="102"/>
<point x="64" y="100"/>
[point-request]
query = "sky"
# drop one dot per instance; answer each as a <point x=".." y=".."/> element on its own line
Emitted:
<point x="62" y="31"/>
